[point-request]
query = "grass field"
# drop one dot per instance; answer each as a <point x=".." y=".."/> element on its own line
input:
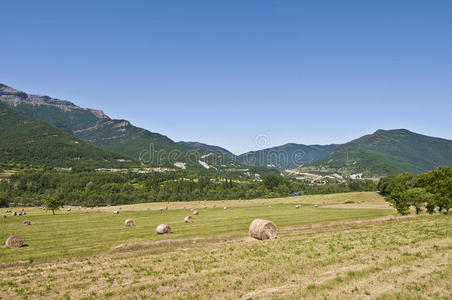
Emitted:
<point x="356" y="250"/>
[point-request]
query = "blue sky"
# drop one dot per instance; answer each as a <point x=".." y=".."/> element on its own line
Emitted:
<point x="224" y="72"/>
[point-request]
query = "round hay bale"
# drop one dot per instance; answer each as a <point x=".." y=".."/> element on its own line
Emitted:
<point x="297" y="206"/>
<point x="3" y="216"/>
<point x="69" y="209"/>
<point x="316" y="205"/>
<point x="195" y="212"/>
<point x="263" y="229"/>
<point x="27" y="222"/>
<point x="163" y="229"/>
<point x="188" y="219"/>
<point x="225" y="207"/>
<point x="14" y="241"/>
<point x="129" y="222"/>
<point x="116" y="212"/>
<point x="204" y="206"/>
<point x="14" y="213"/>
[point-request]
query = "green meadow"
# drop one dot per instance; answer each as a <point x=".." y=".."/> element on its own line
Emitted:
<point x="79" y="234"/>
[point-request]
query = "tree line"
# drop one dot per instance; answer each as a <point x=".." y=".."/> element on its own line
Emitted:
<point x="430" y="191"/>
<point x="92" y="188"/>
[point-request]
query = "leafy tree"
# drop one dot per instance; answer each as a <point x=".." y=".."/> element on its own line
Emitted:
<point x="52" y="203"/>
<point x="439" y="183"/>
<point x="272" y="180"/>
<point x="386" y="185"/>
<point x="417" y="197"/>
<point x="399" y="199"/>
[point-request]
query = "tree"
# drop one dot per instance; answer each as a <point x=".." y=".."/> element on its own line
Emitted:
<point x="387" y="184"/>
<point x="272" y="180"/>
<point x="52" y="203"/>
<point x="399" y="199"/>
<point x="439" y="183"/>
<point x="417" y="197"/>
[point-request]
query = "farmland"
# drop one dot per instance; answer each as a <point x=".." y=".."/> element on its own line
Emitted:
<point x="352" y="245"/>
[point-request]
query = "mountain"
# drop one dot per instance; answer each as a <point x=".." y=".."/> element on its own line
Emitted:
<point x="210" y="147"/>
<point x="388" y="152"/>
<point x="117" y="136"/>
<point x="288" y="156"/>
<point x="37" y="143"/>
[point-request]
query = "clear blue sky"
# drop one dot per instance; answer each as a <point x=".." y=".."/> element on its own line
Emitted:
<point x="223" y="72"/>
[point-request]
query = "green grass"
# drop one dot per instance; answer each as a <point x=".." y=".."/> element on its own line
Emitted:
<point x="388" y="258"/>
<point x="77" y="234"/>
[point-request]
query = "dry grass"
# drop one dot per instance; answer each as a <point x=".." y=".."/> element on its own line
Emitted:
<point x="337" y="251"/>
<point x="406" y="258"/>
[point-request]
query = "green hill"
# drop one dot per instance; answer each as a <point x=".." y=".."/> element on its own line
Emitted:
<point x="25" y="142"/>
<point x="210" y="147"/>
<point x="288" y="156"/>
<point x="388" y="152"/>
<point x="117" y="136"/>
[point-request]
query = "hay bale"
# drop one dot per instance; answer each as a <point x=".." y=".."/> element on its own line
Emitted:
<point x="163" y="229"/>
<point x="27" y="222"/>
<point x="263" y="229"/>
<point x="69" y="209"/>
<point x="3" y="216"/>
<point x="195" y="212"/>
<point x="204" y="206"/>
<point x="225" y="207"/>
<point x="297" y="206"/>
<point x="14" y="241"/>
<point x="129" y="222"/>
<point x="316" y="205"/>
<point x="116" y="212"/>
<point x="188" y="219"/>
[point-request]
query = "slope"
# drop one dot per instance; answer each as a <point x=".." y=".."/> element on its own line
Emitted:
<point x="389" y="152"/>
<point x="25" y="142"/>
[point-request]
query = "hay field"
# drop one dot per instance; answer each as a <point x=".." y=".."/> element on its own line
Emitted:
<point x="355" y="250"/>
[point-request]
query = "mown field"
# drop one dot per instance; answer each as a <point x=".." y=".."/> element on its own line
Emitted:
<point x="358" y="249"/>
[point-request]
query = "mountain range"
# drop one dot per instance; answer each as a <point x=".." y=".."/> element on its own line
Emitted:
<point x="388" y="152"/>
<point x="117" y="136"/>
<point x="76" y="131"/>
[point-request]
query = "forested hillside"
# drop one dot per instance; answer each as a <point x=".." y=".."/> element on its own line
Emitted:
<point x="25" y="142"/>
<point x="389" y="152"/>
